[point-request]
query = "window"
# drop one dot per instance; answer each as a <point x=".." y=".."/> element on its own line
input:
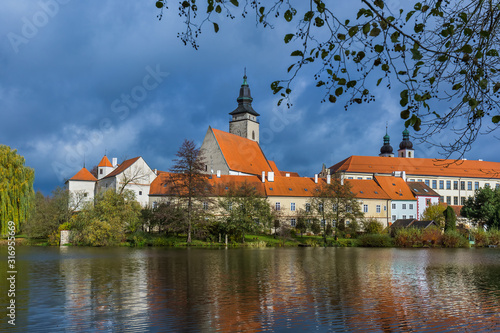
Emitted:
<point x="360" y="177"/>
<point x="278" y="206"/>
<point x="462" y="185"/>
<point x="100" y="171"/>
<point x="293" y="223"/>
<point x="322" y="222"/>
<point x="404" y="217"/>
<point x="292" y="206"/>
<point x="378" y="209"/>
<point x="348" y="209"/>
<point x="427" y="182"/>
<point x="394" y="217"/>
<point x="448" y="184"/>
<point x="469" y="186"/>
<point x="404" y="206"/>
<point x="385" y="208"/>
<point x="497" y="185"/>
<point x="85" y="194"/>
<point x="412" y="180"/>
<point x="487" y="185"/>
<point x="411" y="216"/>
<point x="393" y="206"/>
<point x="308" y="207"/>
<point x="365" y="208"/>
<point x="140" y="192"/>
<point x="455" y="201"/>
<point x="420" y="180"/>
<point x="476" y="185"/>
<point x="434" y="184"/>
<point x="427" y="202"/>
<point x="441" y="184"/>
<point x="334" y="207"/>
<point x="448" y="200"/>
<point x="334" y="223"/>
<point x="230" y="206"/>
<point x="411" y="206"/>
<point x="205" y="205"/>
<point x="350" y="178"/>
<point x="320" y="208"/>
<point x="462" y="201"/>
<point x="155" y="204"/>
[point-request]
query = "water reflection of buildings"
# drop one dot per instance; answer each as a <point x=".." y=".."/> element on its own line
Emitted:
<point x="269" y="289"/>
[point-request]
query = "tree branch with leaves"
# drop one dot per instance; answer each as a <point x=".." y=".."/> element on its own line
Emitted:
<point x="441" y="57"/>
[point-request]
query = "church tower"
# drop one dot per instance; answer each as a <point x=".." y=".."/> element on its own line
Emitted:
<point x="244" y="119"/>
<point x="386" y="150"/>
<point x="406" y="146"/>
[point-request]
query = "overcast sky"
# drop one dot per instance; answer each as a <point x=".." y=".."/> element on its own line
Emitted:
<point x="85" y="78"/>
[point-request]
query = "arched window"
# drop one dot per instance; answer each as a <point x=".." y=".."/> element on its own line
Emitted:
<point x="253" y="135"/>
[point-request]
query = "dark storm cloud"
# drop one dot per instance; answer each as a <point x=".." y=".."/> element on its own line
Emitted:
<point x="82" y="82"/>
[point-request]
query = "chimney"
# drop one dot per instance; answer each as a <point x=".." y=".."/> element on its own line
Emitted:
<point x="403" y="175"/>
<point x="156" y="172"/>
<point x="316" y="178"/>
<point x="341" y="179"/>
<point x="218" y="173"/>
<point x="263" y="176"/>
<point x="328" y="179"/>
<point x="270" y="176"/>
<point x="115" y="162"/>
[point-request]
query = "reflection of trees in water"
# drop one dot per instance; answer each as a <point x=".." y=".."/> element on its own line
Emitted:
<point x="350" y="289"/>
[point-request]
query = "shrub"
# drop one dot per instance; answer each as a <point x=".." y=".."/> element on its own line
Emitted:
<point x="411" y="237"/>
<point x="372" y="226"/>
<point x="480" y="237"/>
<point x="375" y="240"/>
<point x="453" y="238"/>
<point x="494" y="237"/>
<point x="432" y="236"/>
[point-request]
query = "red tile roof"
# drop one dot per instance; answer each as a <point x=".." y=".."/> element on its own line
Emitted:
<point x="105" y="162"/>
<point x="85" y="175"/>
<point x="124" y="166"/>
<point x="395" y="187"/>
<point x="367" y="189"/>
<point x="241" y="154"/>
<point x="419" y="166"/>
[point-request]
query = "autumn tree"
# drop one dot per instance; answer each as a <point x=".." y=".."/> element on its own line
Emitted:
<point x="245" y="210"/>
<point x="335" y="202"/>
<point x="435" y="212"/>
<point x="440" y="56"/>
<point x="16" y="189"/>
<point x="483" y="208"/>
<point x="189" y="183"/>
<point x="48" y="213"/>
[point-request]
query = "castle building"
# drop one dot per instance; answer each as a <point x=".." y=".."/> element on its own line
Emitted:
<point x="453" y="180"/>
<point x="132" y="174"/>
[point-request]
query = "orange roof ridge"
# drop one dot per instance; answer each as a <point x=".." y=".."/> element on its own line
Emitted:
<point x="122" y="167"/>
<point x="241" y="154"/>
<point x="85" y="175"/>
<point x="105" y="162"/>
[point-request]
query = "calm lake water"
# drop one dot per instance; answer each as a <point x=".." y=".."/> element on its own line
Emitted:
<point x="269" y="289"/>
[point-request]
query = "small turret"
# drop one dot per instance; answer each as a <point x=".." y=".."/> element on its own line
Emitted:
<point x="406" y="146"/>
<point x="244" y="118"/>
<point x="386" y="150"/>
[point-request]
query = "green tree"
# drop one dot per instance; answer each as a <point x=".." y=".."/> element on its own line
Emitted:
<point x="189" y="182"/>
<point x="48" y="213"/>
<point x="302" y="224"/>
<point x="442" y="56"/>
<point x="372" y="226"/>
<point x="16" y="189"/>
<point x="107" y="221"/>
<point x="483" y="208"/>
<point x="245" y="210"/>
<point x="435" y="212"/>
<point x="450" y="218"/>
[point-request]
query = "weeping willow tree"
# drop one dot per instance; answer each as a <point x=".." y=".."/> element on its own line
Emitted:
<point x="16" y="188"/>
